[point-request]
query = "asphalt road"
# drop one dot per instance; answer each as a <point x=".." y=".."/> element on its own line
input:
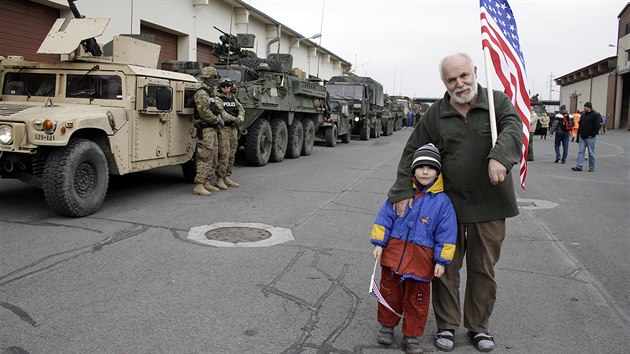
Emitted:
<point x="127" y="278"/>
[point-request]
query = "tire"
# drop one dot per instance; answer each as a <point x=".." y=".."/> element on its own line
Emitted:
<point x="278" y="140"/>
<point x="331" y="136"/>
<point x="189" y="170"/>
<point x="345" y="138"/>
<point x="309" y="137"/>
<point x="274" y="65"/>
<point x="295" y="139"/>
<point x="364" y="131"/>
<point x="258" y="143"/>
<point x="76" y="178"/>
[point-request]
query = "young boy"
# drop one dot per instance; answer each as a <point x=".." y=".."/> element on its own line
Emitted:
<point x="413" y="249"/>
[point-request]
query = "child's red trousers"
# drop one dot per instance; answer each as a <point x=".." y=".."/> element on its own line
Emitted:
<point x="410" y="297"/>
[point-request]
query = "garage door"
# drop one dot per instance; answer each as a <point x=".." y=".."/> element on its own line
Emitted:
<point x="167" y="41"/>
<point x="204" y="53"/>
<point x="23" y="27"/>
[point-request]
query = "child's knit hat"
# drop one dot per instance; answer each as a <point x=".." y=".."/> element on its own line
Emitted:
<point x="427" y="155"/>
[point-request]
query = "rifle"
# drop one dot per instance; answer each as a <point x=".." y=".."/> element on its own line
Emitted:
<point x="89" y="44"/>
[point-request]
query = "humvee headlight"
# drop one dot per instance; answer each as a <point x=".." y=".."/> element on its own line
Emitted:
<point x="6" y="134"/>
<point x="356" y="119"/>
<point x="38" y="124"/>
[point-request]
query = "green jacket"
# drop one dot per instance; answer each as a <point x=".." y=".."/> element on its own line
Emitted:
<point x="466" y="147"/>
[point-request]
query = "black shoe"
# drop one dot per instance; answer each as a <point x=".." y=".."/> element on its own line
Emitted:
<point x="576" y="169"/>
<point x="563" y="161"/>
<point x="557" y="159"/>
<point x="591" y="170"/>
<point x="530" y="159"/>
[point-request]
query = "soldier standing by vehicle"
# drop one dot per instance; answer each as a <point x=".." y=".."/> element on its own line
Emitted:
<point x="208" y="111"/>
<point x="233" y="113"/>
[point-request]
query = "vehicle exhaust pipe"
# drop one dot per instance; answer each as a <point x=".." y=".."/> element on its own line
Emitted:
<point x="277" y="39"/>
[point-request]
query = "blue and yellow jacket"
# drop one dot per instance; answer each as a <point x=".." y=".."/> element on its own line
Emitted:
<point x="425" y="235"/>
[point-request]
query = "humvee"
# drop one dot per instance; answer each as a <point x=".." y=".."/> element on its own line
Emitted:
<point x="66" y="126"/>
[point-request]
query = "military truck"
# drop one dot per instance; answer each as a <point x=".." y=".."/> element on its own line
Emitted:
<point x="367" y="102"/>
<point x="400" y="105"/>
<point x="338" y="124"/>
<point x="282" y="110"/>
<point x="66" y="126"/>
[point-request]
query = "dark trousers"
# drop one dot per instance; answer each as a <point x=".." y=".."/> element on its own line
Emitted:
<point x="409" y="297"/>
<point x="543" y="133"/>
<point x="481" y="244"/>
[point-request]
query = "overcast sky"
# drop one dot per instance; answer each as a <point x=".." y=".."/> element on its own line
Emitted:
<point x="401" y="42"/>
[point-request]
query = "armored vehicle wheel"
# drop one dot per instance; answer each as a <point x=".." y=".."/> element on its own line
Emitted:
<point x="309" y="137"/>
<point x="76" y="178"/>
<point x="189" y="169"/>
<point x="258" y="143"/>
<point x="388" y="128"/>
<point x="331" y="136"/>
<point x="278" y="140"/>
<point x="295" y="139"/>
<point x="364" y="131"/>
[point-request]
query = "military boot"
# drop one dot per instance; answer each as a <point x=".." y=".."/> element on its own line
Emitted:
<point x="210" y="187"/>
<point x="230" y="183"/>
<point x="220" y="183"/>
<point x="200" y="190"/>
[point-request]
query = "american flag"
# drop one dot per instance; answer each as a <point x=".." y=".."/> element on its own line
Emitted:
<point x="374" y="291"/>
<point x="499" y="34"/>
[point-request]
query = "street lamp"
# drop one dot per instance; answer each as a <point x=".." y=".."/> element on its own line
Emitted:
<point x="298" y="40"/>
<point x="620" y="47"/>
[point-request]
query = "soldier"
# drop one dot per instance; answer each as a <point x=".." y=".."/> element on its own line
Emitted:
<point x="233" y="113"/>
<point x="208" y="111"/>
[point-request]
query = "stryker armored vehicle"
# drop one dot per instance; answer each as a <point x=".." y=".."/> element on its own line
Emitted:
<point x="365" y="96"/>
<point x="66" y="126"/>
<point x="282" y="110"/>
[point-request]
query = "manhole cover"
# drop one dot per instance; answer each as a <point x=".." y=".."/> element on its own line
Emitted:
<point x="237" y="234"/>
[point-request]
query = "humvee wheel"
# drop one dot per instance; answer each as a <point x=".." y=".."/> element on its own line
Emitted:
<point x="76" y="178"/>
<point x="295" y="139"/>
<point x="309" y="137"/>
<point x="278" y="140"/>
<point x="331" y="136"/>
<point x="189" y="169"/>
<point x="346" y="137"/>
<point x="258" y="143"/>
<point x="364" y="131"/>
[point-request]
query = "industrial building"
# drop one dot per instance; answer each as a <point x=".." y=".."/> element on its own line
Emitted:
<point x="183" y="28"/>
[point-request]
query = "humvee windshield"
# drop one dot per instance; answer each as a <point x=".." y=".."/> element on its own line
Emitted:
<point x="29" y="84"/>
<point x="345" y="91"/>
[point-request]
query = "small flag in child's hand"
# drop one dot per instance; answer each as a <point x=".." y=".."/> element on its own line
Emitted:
<point x="374" y="291"/>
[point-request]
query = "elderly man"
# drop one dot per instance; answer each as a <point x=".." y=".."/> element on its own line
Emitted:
<point x="476" y="178"/>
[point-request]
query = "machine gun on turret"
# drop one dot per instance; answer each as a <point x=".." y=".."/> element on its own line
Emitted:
<point x="90" y="45"/>
<point x="231" y="47"/>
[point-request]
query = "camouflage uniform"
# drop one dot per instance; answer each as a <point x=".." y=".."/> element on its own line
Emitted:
<point x="233" y="113"/>
<point x="209" y="109"/>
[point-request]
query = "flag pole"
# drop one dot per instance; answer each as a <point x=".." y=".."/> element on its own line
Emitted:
<point x="493" y="116"/>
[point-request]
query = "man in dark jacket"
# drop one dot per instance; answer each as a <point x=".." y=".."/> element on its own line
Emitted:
<point x="588" y="130"/>
<point x="477" y="180"/>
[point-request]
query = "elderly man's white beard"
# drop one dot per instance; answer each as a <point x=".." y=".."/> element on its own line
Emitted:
<point x="472" y="92"/>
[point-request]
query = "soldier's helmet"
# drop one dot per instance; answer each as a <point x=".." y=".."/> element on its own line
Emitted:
<point x="225" y="82"/>
<point x="208" y="72"/>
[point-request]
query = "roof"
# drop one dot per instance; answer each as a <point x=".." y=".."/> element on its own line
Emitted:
<point x="261" y="15"/>
<point x="598" y="68"/>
